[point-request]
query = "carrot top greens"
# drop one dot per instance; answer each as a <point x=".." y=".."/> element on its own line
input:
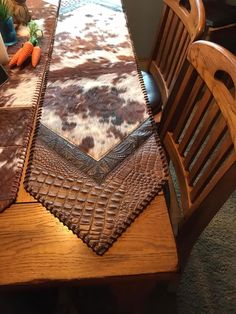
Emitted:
<point x="35" y="32"/>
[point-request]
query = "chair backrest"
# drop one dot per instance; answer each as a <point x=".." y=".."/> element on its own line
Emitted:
<point x="198" y="130"/>
<point x="182" y="22"/>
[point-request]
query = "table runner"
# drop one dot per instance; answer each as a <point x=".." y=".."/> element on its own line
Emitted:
<point x="96" y="161"/>
<point x="18" y="102"/>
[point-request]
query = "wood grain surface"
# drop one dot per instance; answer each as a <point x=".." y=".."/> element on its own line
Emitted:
<point x="36" y="247"/>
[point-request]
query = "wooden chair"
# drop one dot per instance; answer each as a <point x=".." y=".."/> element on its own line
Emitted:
<point x="182" y="23"/>
<point x="198" y="130"/>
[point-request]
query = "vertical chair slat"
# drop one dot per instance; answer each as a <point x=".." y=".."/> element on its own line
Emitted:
<point x="164" y="35"/>
<point x="157" y="48"/>
<point x="228" y="168"/>
<point x="177" y="56"/>
<point x="212" y="167"/>
<point x="203" y="131"/>
<point x="181" y="123"/>
<point x="181" y="58"/>
<point x="177" y="100"/>
<point x="212" y="142"/>
<point x="169" y="34"/>
<point x="169" y="45"/>
<point x="202" y="105"/>
<point x="175" y="44"/>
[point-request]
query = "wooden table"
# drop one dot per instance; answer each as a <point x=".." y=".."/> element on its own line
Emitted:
<point x="37" y="248"/>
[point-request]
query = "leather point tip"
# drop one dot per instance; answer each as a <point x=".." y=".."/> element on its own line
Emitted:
<point x="5" y="204"/>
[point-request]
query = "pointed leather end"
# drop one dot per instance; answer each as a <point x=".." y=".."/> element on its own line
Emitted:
<point x="5" y="204"/>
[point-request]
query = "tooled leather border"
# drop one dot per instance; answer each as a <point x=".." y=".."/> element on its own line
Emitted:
<point x="98" y="170"/>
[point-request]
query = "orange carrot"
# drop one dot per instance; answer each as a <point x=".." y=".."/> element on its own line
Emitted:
<point x="14" y="58"/>
<point x="25" y="52"/>
<point x="36" y="54"/>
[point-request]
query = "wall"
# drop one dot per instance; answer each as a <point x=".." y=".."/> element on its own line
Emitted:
<point x="143" y="17"/>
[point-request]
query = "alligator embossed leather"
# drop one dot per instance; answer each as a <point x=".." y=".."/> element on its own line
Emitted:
<point x="96" y="162"/>
<point x="19" y="98"/>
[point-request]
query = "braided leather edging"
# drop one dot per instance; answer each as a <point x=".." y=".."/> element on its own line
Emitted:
<point x="42" y="90"/>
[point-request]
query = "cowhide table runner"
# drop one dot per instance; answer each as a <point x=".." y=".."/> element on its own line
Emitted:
<point x="96" y="162"/>
<point x="19" y="98"/>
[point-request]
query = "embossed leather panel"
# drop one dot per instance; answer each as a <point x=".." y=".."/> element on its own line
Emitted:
<point x="97" y="213"/>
